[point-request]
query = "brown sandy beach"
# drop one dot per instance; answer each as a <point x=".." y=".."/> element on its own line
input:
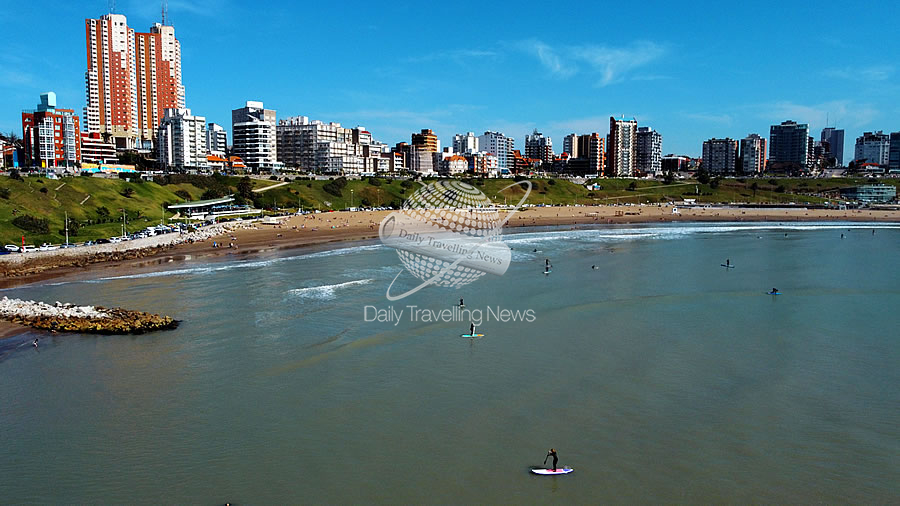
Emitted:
<point x="320" y="229"/>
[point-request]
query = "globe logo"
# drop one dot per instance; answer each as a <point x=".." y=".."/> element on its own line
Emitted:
<point x="448" y="233"/>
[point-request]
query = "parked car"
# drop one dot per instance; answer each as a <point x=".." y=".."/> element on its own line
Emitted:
<point x="27" y="249"/>
<point x="103" y="241"/>
<point x="12" y="248"/>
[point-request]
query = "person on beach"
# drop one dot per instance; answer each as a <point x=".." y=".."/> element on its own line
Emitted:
<point x="551" y="453"/>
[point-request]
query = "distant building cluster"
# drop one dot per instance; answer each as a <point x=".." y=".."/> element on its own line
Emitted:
<point x="135" y="101"/>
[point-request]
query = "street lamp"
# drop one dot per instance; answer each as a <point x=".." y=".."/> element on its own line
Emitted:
<point x="351" y="200"/>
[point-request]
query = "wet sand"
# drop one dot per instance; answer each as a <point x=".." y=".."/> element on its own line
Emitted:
<point x="320" y="229"/>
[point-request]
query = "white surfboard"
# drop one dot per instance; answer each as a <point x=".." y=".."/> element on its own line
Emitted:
<point x="471" y="335"/>
<point x="564" y="470"/>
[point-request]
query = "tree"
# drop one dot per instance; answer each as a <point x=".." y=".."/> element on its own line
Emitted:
<point x="703" y="176"/>
<point x="669" y="177"/>
<point x="632" y="186"/>
<point x="245" y="188"/>
<point x="127" y="192"/>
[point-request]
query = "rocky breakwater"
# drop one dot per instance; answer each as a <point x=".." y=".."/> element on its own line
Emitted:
<point x="84" y="319"/>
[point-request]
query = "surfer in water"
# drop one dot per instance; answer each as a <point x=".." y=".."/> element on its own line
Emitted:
<point x="461" y="303"/>
<point x="472" y="329"/>
<point x="547" y="265"/>
<point x="34" y="343"/>
<point x="727" y="262"/>
<point x="551" y="453"/>
<point x="774" y="290"/>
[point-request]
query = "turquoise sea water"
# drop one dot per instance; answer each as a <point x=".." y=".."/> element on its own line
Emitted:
<point x="659" y="376"/>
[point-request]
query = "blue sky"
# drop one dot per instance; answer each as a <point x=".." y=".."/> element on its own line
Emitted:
<point x="690" y="70"/>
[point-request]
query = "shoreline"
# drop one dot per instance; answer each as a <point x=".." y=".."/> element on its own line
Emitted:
<point x="329" y="229"/>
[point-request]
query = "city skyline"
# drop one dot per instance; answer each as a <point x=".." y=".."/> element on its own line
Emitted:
<point x="396" y="79"/>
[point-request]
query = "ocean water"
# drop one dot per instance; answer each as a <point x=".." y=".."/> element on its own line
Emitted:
<point x="659" y="376"/>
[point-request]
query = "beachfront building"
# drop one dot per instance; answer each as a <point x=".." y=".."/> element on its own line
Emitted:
<point x="181" y="140"/>
<point x="870" y="193"/>
<point x="894" y="154"/>
<point x="569" y="145"/>
<point x="622" y="147"/>
<point x="873" y="148"/>
<point x="720" y="156"/>
<point x="789" y="146"/>
<point x="299" y="141"/>
<point x="501" y="146"/>
<point x="483" y="164"/>
<point x="216" y="140"/>
<point x="253" y="134"/>
<point x="465" y="143"/>
<point x="51" y="136"/>
<point x="753" y="155"/>
<point x="453" y="165"/>
<point x="588" y="159"/>
<point x="675" y="163"/>
<point x="131" y="79"/>
<point x="539" y="146"/>
<point x="835" y="140"/>
<point x="95" y="150"/>
<point x="649" y="151"/>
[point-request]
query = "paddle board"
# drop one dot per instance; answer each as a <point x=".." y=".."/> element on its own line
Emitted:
<point x="773" y="293"/>
<point x="548" y="272"/>
<point x="727" y="266"/>
<point x="565" y="470"/>
<point x="471" y="335"/>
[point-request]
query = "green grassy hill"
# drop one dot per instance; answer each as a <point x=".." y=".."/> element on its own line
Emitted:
<point x="94" y="205"/>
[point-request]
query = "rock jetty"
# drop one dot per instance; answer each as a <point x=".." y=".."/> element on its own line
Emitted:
<point x="62" y="317"/>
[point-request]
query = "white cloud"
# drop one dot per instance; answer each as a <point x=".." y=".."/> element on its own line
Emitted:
<point x="844" y="113"/>
<point x="870" y="73"/>
<point x="456" y="55"/>
<point x="610" y="64"/>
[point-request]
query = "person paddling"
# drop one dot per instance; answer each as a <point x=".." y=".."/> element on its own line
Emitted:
<point x="461" y="303"/>
<point x="547" y="264"/>
<point x="551" y="453"/>
<point x="472" y="329"/>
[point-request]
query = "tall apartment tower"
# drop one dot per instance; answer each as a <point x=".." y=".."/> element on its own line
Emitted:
<point x="216" y="139"/>
<point x="789" y="145"/>
<point x="131" y="79"/>
<point x="51" y="136"/>
<point x="590" y="160"/>
<point x="467" y="143"/>
<point x="181" y="140"/>
<point x="835" y="140"/>
<point x="873" y="147"/>
<point x="622" y="146"/>
<point x="720" y="155"/>
<point x="425" y="141"/>
<point x="570" y="145"/>
<point x="539" y="147"/>
<point x="753" y="154"/>
<point x="253" y="135"/>
<point x="500" y="145"/>
<point x="894" y="153"/>
<point x="649" y="151"/>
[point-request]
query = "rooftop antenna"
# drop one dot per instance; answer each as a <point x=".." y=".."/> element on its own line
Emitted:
<point x="165" y="12"/>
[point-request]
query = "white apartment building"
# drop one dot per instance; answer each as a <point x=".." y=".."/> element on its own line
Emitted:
<point x="873" y="147"/>
<point x="181" y="140"/>
<point x="216" y="140"/>
<point x="253" y="134"/>
<point x="622" y="146"/>
<point x="465" y="143"/>
<point x="500" y="145"/>
<point x="753" y="154"/>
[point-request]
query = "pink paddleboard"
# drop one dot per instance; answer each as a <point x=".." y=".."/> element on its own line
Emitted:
<point x="565" y="470"/>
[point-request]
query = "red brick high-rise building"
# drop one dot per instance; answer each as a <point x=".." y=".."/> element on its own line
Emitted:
<point x="131" y="79"/>
<point x="51" y="136"/>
